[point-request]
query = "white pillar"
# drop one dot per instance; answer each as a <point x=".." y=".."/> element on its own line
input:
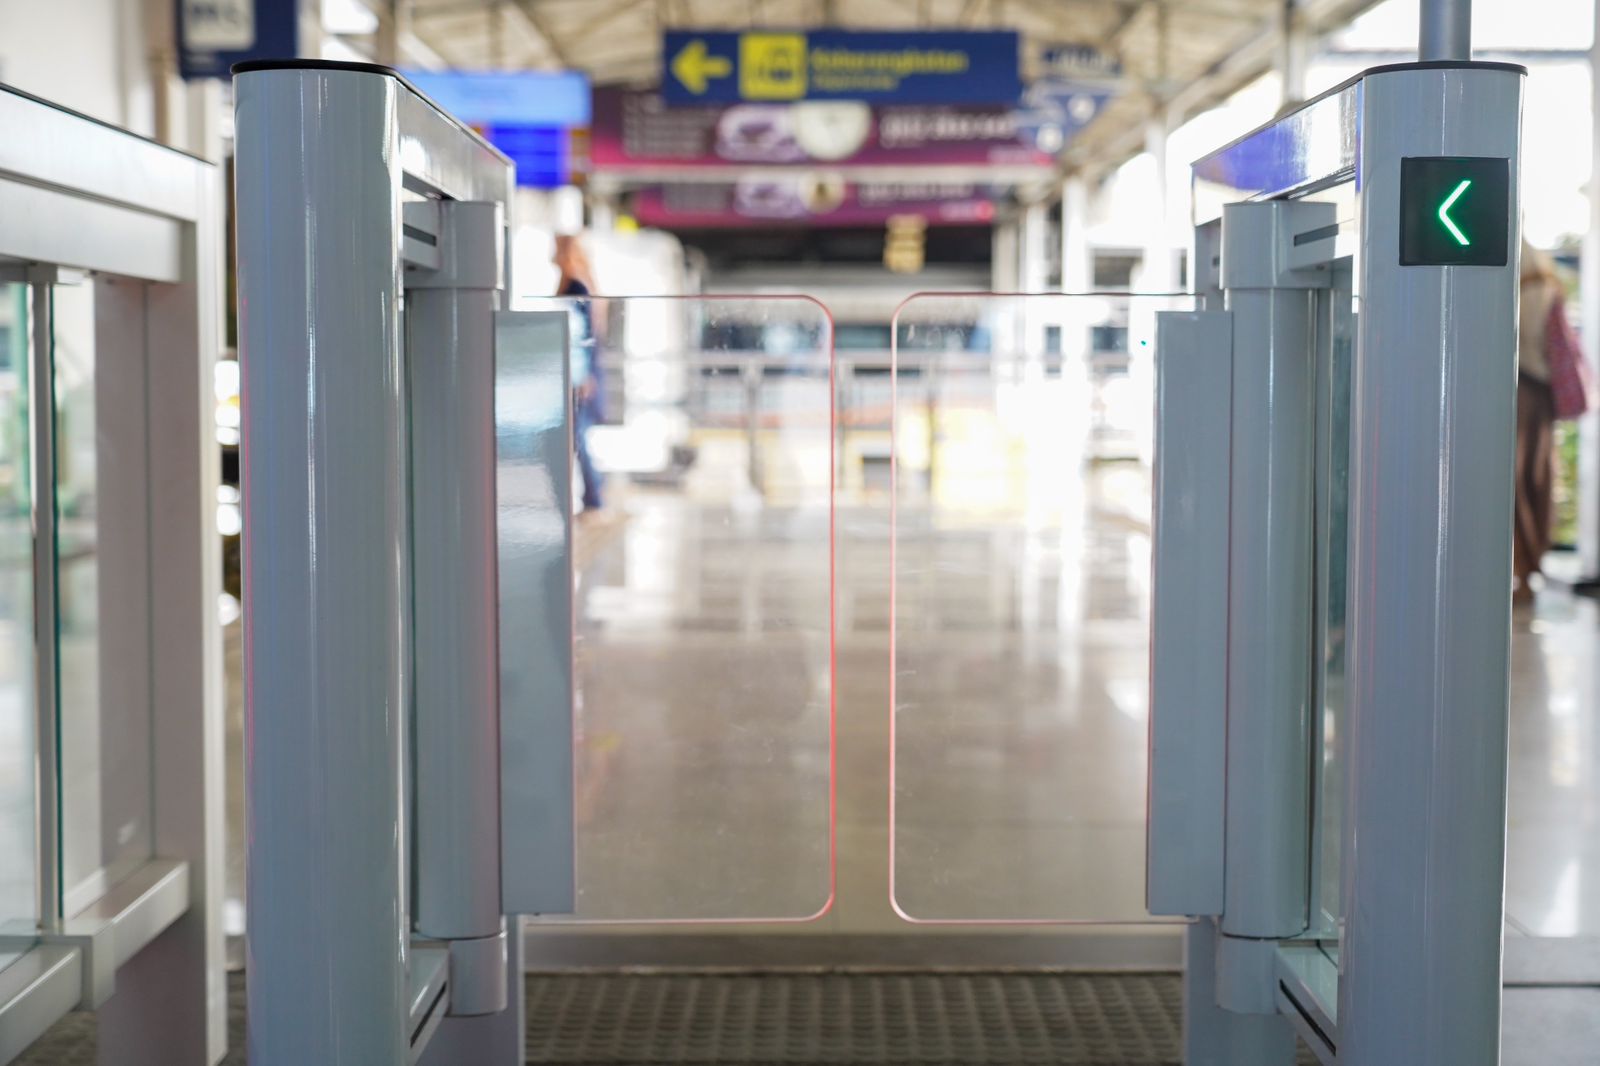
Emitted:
<point x="1003" y="257"/>
<point x="1033" y="257"/>
<point x="1077" y="265"/>
<point x="1589" y="298"/>
<point x="1294" y="56"/>
<point x="1158" y="273"/>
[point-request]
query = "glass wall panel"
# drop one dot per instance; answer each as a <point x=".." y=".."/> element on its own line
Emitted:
<point x="104" y="718"/>
<point x="19" y="849"/>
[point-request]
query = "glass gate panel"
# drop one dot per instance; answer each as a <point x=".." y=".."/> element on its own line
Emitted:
<point x="19" y="850"/>
<point x="1335" y="348"/>
<point x="1022" y="450"/>
<point x="703" y="554"/>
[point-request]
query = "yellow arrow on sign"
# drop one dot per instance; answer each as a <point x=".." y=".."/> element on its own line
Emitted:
<point x="693" y="67"/>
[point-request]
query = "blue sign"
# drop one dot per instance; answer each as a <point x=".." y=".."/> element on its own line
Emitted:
<point x="213" y="35"/>
<point x="911" y="67"/>
<point x="530" y="116"/>
<point x="1053" y="112"/>
<point x="528" y="98"/>
<point x="545" y="156"/>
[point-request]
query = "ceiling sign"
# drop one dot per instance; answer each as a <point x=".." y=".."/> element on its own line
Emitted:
<point x="910" y="67"/>
<point x="539" y="119"/>
<point x="215" y="34"/>
<point x="1079" y="62"/>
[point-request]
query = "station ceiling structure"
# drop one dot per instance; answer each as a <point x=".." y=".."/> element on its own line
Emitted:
<point x="1177" y="56"/>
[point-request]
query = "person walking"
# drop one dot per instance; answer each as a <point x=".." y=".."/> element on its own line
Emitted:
<point x="588" y="387"/>
<point x="1552" y="383"/>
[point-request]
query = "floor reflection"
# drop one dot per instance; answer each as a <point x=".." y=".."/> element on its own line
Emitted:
<point x="1021" y="702"/>
<point x="703" y="720"/>
<point x="703" y="732"/>
<point x="1553" y="821"/>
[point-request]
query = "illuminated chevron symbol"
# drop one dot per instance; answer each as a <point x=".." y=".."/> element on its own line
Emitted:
<point x="1444" y="213"/>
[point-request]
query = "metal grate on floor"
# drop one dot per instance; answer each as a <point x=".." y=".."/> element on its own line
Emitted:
<point x="806" y="1019"/>
<point x="972" y="1019"/>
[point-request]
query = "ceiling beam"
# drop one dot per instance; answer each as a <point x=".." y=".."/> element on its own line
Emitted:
<point x="534" y="19"/>
<point x="1254" y="56"/>
<point x="409" y="44"/>
<point x="610" y="15"/>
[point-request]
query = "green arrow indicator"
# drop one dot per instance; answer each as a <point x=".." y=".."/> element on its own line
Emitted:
<point x="1444" y="213"/>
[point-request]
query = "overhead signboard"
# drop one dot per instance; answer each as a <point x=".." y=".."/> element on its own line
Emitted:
<point x="636" y="133"/>
<point x="521" y="98"/>
<point x="539" y="119"/>
<point x="215" y="34"/>
<point x="1079" y="62"/>
<point x="909" y="67"/>
<point x="1053" y="111"/>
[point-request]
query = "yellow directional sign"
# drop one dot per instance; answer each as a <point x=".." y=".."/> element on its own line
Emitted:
<point x="694" y="68"/>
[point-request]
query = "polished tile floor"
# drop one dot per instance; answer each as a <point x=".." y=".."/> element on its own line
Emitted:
<point x="703" y="774"/>
<point x="1018" y="749"/>
<point x="1553" y="833"/>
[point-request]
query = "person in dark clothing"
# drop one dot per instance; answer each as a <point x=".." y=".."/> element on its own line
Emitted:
<point x="588" y="392"/>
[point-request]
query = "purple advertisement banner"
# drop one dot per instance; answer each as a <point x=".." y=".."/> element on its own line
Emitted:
<point x="635" y="131"/>
<point x="809" y="200"/>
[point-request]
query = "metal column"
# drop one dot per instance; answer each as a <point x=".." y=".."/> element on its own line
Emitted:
<point x="326" y="640"/>
<point x="1588" y="489"/>
<point x="450" y="357"/>
<point x="1271" y="569"/>
<point x="1433" y="415"/>
<point x="1216" y="1037"/>
<point x="1446" y="32"/>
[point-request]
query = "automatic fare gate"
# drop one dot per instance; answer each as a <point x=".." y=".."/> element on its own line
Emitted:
<point x="1330" y="617"/>
<point x="1332" y="543"/>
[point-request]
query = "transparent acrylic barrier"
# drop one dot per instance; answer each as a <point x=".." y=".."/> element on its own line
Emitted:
<point x="703" y="562"/>
<point x="1022" y="444"/>
<point x="19" y="852"/>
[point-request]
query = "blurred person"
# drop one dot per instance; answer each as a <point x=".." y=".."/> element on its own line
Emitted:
<point x="1536" y="419"/>
<point x="588" y="394"/>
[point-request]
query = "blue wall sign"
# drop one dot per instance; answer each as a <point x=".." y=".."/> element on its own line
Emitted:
<point x="912" y="67"/>
<point x="215" y="34"/>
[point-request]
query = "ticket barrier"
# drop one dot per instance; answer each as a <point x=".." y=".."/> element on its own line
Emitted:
<point x="1330" y="612"/>
<point x="111" y="699"/>
<point x="1331" y="573"/>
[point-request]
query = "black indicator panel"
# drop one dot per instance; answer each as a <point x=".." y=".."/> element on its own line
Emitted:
<point x="1454" y="211"/>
